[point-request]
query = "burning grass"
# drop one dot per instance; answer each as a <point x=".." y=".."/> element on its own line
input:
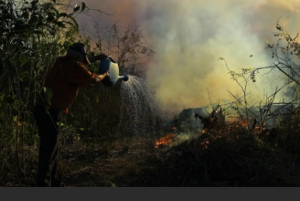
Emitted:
<point x="232" y="156"/>
<point x="166" y="140"/>
<point x="215" y="158"/>
<point x="227" y="156"/>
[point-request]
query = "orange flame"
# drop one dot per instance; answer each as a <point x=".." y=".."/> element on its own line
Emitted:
<point x="240" y="121"/>
<point x="164" y="140"/>
<point x="237" y="123"/>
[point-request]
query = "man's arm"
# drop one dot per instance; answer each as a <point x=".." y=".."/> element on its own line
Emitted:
<point x="80" y="75"/>
<point x="97" y="58"/>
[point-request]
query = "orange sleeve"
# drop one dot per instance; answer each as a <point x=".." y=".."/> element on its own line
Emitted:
<point x="78" y="74"/>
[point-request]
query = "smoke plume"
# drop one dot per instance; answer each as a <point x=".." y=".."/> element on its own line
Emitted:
<point x="189" y="37"/>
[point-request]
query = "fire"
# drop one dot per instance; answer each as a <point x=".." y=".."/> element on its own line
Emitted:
<point x="240" y="121"/>
<point x="164" y="140"/>
<point x="255" y="128"/>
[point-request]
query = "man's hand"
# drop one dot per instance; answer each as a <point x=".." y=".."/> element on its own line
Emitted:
<point x="98" y="58"/>
<point x="102" y="76"/>
<point x="101" y="56"/>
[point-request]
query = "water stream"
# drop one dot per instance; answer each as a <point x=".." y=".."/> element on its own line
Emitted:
<point x="139" y="112"/>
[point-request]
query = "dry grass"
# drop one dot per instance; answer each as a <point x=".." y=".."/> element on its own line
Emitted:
<point x="219" y="158"/>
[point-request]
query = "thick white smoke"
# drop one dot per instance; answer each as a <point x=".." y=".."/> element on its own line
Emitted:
<point x="189" y="37"/>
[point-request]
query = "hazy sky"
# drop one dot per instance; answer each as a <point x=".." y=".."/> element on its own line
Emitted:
<point x="190" y="35"/>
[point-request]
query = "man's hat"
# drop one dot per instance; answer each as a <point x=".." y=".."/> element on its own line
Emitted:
<point x="80" y="48"/>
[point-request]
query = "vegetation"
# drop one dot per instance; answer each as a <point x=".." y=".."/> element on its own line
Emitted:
<point x="32" y="35"/>
<point x="96" y="150"/>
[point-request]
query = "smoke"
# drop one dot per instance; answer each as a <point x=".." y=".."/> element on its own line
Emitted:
<point x="189" y="37"/>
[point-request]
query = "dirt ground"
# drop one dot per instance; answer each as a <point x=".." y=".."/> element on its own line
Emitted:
<point x="107" y="164"/>
<point x="244" y="161"/>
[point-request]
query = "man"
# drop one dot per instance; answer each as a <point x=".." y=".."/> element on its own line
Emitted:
<point x="61" y="88"/>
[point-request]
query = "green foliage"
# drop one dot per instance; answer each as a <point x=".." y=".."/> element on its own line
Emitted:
<point x="32" y="35"/>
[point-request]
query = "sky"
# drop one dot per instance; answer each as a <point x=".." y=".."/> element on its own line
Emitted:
<point x="189" y="37"/>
